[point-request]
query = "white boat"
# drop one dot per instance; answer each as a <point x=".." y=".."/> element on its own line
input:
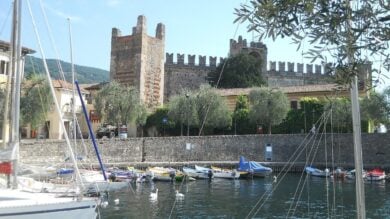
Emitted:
<point x="15" y="202"/>
<point x="225" y="173"/>
<point x="191" y="172"/>
<point x="21" y="204"/>
<point x="161" y="173"/>
<point x="317" y="172"/>
<point x="376" y="175"/>
<point x="352" y="174"/>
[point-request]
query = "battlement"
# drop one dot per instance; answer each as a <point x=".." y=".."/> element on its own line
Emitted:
<point x="298" y="69"/>
<point x="180" y="60"/>
<point x="242" y="43"/>
<point x="140" y="29"/>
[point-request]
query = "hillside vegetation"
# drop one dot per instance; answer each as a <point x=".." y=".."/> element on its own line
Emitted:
<point x="84" y="74"/>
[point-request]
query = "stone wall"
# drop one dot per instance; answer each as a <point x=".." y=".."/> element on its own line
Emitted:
<point x="286" y="148"/>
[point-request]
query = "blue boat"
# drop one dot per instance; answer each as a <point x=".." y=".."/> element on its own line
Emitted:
<point x="312" y="171"/>
<point x="252" y="168"/>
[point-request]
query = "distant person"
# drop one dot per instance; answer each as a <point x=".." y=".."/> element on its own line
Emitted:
<point x="313" y="129"/>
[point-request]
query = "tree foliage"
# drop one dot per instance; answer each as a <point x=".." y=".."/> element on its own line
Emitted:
<point x="85" y="75"/>
<point x="118" y="104"/>
<point x="240" y="71"/>
<point x="203" y="107"/>
<point x="301" y="119"/>
<point x="375" y="108"/>
<point x="241" y="120"/>
<point x="350" y="33"/>
<point x="341" y="114"/>
<point x="268" y="106"/>
<point x="35" y="101"/>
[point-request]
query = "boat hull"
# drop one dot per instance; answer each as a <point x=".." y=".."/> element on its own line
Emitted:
<point x="15" y="205"/>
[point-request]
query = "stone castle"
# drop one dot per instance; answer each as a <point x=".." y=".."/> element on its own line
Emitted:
<point x="139" y="60"/>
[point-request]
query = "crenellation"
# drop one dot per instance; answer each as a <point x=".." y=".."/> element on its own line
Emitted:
<point x="318" y="69"/>
<point x="300" y="67"/>
<point x="116" y="32"/>
<point x="202" y="60"/>
<point x="282" y="66"/>
<point x="272" y="66"/>
<point x="180" y="59"/>
<point x="309" y="68"/>
<point x="141" y="25"/>
<point x="213" y="61"/>
<point x="191" y="60"/>
<point x="160" y="31"/>
<point x="169" y="58"/>
<point x="290" y="66"/>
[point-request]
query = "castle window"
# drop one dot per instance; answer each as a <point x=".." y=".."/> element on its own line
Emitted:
<point x="294" y="104"/>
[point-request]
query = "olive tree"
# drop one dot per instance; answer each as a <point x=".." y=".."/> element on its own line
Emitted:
<point x="118" y="104"/>
<point x="268" y="106"/>
<point x="212" y="109"/>
<point x="35" y="101"/>
<point x="203" y="108"/>
<point x="182" y="110"/>
<point x="351" y="32"/>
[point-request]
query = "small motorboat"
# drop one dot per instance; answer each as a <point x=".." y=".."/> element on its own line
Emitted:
<point x="312" y="171"/>
<point x="225" y="173"/>
<point x="252" y="168"/>
<point x="376" y="175"/>
<point x="352" y="174"/>
<point x="191" y="172"/>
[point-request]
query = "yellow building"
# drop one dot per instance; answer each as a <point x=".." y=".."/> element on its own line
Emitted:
<point x="294" y="93"/>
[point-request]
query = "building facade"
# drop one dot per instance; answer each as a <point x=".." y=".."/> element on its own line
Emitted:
<point x="138" y="60"/>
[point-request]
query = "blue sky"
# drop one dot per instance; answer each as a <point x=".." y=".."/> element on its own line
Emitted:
<point x="196" y="27"/>
<point x="200" y="27"/>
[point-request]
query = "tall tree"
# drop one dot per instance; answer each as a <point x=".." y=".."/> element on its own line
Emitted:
<point x="201" y="109"/>
<point x="341" y="114"/>
<point x="240" y="71"/>
<point x="268" y="107"/>
<point x="241" y="120"/>
<point x="35" y="101"/>
<point x="118" y="104"/>
<point x="182" y="110"/>
<point x="211" y="109"/>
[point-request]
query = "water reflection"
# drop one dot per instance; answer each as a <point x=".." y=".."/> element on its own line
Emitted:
<point x="316" y="198"/>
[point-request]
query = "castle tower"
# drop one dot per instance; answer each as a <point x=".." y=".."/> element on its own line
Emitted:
<point x="256" y="49"/>
<point x="138" y="60"/>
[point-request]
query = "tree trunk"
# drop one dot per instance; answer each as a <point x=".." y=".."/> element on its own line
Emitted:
<point x="269" y="128"/>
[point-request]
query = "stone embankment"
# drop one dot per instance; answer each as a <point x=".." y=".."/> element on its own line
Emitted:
<point x="225" y="150"/>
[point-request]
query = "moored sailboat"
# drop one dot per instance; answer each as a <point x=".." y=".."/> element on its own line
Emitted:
<point x="15" y="202"/>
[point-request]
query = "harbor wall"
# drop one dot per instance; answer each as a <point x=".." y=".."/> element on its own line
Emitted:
<point x="320" y="150"/>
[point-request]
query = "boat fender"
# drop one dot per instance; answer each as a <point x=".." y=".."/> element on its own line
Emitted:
<point x="112" y="177"/>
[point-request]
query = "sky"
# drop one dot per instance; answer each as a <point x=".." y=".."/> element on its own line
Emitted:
<point x="196" y="27"/>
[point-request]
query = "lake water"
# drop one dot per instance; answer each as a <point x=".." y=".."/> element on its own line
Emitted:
<point x="244" y="198"/>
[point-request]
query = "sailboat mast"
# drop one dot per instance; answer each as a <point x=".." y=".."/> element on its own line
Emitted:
<point x="360" y="196"/>
<point x="73" y="90"/>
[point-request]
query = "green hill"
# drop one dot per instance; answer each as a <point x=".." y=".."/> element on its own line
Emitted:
<point x="84" y="74"/>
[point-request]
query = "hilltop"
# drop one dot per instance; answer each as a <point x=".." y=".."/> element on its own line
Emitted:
<point x="84" y="74"/>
